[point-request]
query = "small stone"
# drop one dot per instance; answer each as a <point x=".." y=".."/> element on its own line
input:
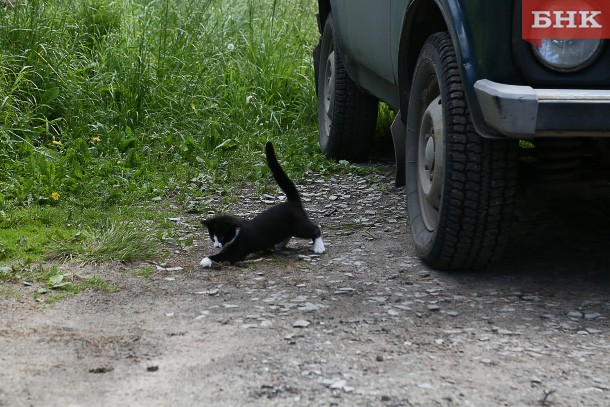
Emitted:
<point x="213" y="291"/>
<point x="385" y="397"/>
<point x="433" y="307"/>
<point x="379" y="358"/>
<point x="102" y="369"/>
<point x="268" y="199"/>
<point x="575" y="314"/>
<point x="309" y="307"/>
<point x="392" y="312"/>
<point x="501" y="331"/>
<point x="592" y="315"/>
<point x="266" y="323"/>
<point x="452" y="313"/>
<point x="301" y="323"/>
<point x="337" y="385"/>
<point x="345" y="290"/>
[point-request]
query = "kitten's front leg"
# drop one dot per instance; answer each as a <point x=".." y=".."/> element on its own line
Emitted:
<point x="228" y="253"/>
<point x="207" y="262"/>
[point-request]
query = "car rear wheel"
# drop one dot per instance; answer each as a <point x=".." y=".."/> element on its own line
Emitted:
<point x="460" y="186"/>
<point x="346" y="115"/>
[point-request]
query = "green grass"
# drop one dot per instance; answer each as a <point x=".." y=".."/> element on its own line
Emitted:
<point x="48" y="283"/>
<point x="125" y="242"/>
<point x="145" y="271"/>
<point x="124" y="233"/>
<point x="107" y="104"/>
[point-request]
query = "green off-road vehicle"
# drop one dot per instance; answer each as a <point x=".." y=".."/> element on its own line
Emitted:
<point x="466" y="88"/>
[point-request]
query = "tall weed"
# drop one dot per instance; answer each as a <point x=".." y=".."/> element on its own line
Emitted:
<point x="102" y="101"/>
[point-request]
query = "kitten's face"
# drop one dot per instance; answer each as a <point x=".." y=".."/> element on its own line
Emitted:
<point x="222" y="229"/>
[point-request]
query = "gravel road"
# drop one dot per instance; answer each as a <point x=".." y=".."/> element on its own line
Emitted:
<point x="365" y="324"/>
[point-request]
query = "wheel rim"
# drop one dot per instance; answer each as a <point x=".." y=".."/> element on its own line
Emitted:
<point x="431" y="163"/>
<point x="329" y="92"/>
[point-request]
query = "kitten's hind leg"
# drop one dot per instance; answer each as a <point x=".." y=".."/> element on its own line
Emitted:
<point x="318" y="245"/>
<point x="309" y="230"/>
<point x="282" y="245"/>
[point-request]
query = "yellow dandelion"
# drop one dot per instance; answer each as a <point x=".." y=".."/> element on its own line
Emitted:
<point x="96" y="139"/>
<point x="55" y="196"/>
<point x="57" y="143"/>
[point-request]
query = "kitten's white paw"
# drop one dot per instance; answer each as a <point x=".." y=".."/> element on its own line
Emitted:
<point x="318" y="246"/>
<point x="206" y="262"/>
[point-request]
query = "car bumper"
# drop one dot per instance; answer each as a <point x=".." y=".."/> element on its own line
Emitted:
<point x="524" y="112"/>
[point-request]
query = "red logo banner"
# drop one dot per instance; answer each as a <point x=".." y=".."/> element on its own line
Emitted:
<point x="565" y="19"/>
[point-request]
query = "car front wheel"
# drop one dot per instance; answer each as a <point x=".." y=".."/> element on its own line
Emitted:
<point x="460" y="186"/>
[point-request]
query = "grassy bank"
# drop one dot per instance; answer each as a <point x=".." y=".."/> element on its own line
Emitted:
<point x="107" y="105"/>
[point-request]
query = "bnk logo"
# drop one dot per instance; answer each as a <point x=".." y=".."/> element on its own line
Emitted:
<point x="565" y="19"/>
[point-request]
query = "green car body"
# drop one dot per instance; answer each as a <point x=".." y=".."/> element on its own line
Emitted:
<point x="380" y="41"/>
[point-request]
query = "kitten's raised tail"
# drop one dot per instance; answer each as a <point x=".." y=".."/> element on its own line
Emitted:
<point x="280" y="176"/>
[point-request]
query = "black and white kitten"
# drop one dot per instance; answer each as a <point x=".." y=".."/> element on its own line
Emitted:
<point x="272" y="228"/>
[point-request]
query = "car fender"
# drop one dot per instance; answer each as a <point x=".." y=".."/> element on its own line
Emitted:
<point x="412" y="40"/>
<point x="423" y="18"/>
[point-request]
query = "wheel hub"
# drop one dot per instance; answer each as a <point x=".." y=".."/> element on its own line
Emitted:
<point x="430" y="154"/>
<point x="430" y="165"/>
<point x="329" y="90"/>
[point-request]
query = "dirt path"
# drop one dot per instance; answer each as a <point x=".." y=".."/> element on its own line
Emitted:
<point x="364" y="324"/>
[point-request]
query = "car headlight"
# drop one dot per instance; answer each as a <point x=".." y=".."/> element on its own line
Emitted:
<point x="567" y="55"/>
